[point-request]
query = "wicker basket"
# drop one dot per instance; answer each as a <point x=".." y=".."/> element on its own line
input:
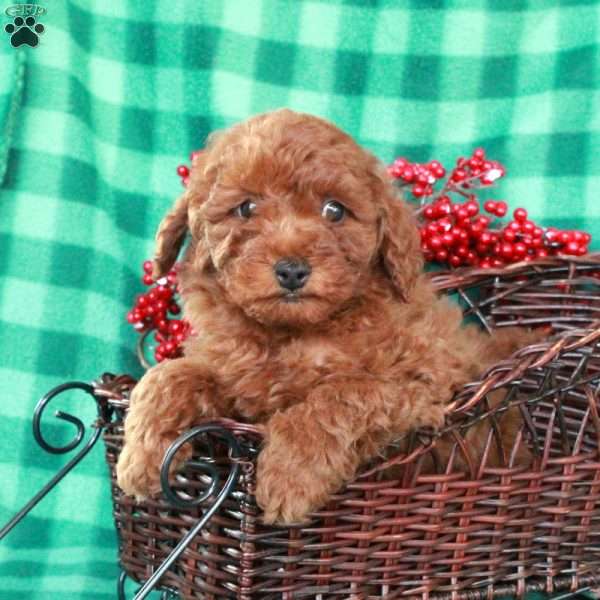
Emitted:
<point x="475" y="532"/>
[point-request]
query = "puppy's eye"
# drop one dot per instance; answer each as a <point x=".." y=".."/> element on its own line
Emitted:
<point x="245" y="209"/>
<point x="333" y="211"/>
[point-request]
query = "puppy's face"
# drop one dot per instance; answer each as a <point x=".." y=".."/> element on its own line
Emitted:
<point x="287" y="215"/>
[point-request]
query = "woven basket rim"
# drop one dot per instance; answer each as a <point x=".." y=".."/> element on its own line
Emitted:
<point x="447" y="280"/>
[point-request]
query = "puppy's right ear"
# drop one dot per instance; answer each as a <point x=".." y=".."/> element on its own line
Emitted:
<point x="170" y="236"/>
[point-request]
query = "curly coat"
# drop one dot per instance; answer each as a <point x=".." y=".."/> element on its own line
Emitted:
<point x="362" y="353"/>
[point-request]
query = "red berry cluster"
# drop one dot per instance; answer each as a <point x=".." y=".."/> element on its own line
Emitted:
<point x="184" y="171"/>
<point x="457" y="233"/>
<point x="422" y="177"/>
<point x="468" y="173"/>
<point x="476" y="169"/>
<point x="152" y="310"/>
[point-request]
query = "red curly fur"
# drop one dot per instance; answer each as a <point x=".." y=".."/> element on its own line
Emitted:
<point x="364" y="352"/>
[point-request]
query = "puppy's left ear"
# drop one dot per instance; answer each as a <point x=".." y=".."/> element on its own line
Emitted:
<point x="170" y="236"/>
<point x="400" y="245"/>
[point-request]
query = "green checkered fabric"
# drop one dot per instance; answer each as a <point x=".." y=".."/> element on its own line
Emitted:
<point x="96" y="118"/>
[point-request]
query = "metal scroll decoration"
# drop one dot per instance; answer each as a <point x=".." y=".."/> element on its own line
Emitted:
<point x="103" y="416"/>
<point x="175" y="499"/>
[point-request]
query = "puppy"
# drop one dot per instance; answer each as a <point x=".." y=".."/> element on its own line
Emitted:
<point x="304" y="280"/>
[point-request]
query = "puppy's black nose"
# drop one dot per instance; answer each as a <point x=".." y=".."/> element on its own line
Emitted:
<point x="292" y="273"/>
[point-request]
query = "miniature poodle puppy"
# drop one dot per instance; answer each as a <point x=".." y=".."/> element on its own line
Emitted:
<point x="304" y="279"/>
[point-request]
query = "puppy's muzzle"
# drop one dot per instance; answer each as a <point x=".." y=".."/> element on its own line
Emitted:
<point x="292" y="273"/>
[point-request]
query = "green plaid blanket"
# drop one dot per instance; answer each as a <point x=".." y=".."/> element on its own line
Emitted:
<point x="95" y="119"/>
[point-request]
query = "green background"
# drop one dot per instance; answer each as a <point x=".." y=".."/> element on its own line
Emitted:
<point x="95" y="120"/>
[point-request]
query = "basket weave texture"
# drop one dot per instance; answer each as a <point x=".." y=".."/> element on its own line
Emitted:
<point x="466" y="530"/>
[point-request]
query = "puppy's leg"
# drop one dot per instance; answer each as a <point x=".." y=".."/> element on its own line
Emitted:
<point x="315" y="446"/>
<point x="168" y="399"/>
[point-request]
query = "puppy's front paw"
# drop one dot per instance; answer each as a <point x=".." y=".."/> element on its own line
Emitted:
<point x="287" y="493"/>
<point x="137" y="473"/>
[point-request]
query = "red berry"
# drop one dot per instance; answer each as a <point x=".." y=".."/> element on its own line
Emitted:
<point x="447" y="239"/>
<point x="520" y="249"/>
<point x="429" y="212"/>
<point x="175" y="326"/>
<point x="490" y="206"/>
<point x="431" y="228"/>
<point x="422" y="179"/>
<point x="147" y="266"/>
<point x="527" y="227"/>
<point x="183" y="171"/>
<point x="454" y="260"/>
<point x="459" y="175"/>
<point x="476" y="230"/>
<point x="509" y="235"/>
<point x="441" y="255"/>
<point x="131" y="317"/>
<point x="443" y="224"/>
<point x="147" y="279"/>
<point x="472" y="208"/>
<point x="572" y="248"/>
<point x="563" y="237"/>
<point x="418" y="191"/>
<point x="163" y="291"/>
<point x="541" y="253"/>
<point x="174" y="308"/>
<point x="507" y="250"/>
<point x="501" y="208"/>
<point x="520" y="214"/>
<point x="435" y="243"/>
<point x="485" y="238"/>
<point x="407" y="175"/>
<point x="484" y="221"/>
<point x="479" y="153"/>
<point x="462" y="213"/>
<point x="442" y="209"/>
